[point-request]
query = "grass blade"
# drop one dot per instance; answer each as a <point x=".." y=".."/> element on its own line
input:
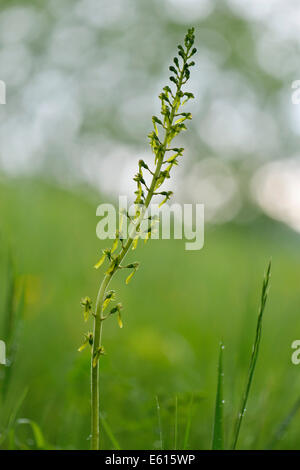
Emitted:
<point x="39" y="439"/>
<point x="109" y="433"/>
<point x="13" y="337"/>
<point x="159" y="424"/>
<point x="218" y="440"/>
<point x="188" y="425"/>
<point x="282" y="428"/>
<point x="9" y="301"/>
<point x="254" y="356"/>
<point x="176" y="423"/>
<point x="13" y="416"/>
<point x="19" y="403"/>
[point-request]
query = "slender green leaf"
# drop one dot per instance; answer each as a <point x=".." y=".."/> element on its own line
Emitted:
<point x="17" y="408"/>
<point x="13" y="416"/>
<point x="176" y="423"/>
<point x="14" y="336"/>
<point x="254" y="356"/>
<point x="110" y="433"/>
<point x="159" y="423"/>
<point x="39" y="440"/>
<point x="188" y="424"/>
<point x="282" y="428"/>
<point x="218" y="440"/>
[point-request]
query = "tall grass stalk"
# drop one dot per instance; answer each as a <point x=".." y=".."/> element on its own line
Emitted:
<point x="176" y="423"/>
<point x="218" y="440"/>
<point x="13" y="311"/>
<point x="161" y="444"/>
<point x="254" y="356"/>
<point x="110" y="433"/>
<point x="284" y="425"/>
<point x="188" y="424"/>
<point x="171" y="123"/>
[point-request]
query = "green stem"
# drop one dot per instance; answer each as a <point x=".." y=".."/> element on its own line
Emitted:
<point x="98" y="322"/>
<point x="98" y="319"/>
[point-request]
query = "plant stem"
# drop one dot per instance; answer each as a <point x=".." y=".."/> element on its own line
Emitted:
<point x="98" y="326"/>
<point x="98" y="319"/>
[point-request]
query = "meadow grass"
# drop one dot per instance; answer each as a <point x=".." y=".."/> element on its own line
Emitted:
<point x="180" y="354"/>
<point x="254" y="355"/>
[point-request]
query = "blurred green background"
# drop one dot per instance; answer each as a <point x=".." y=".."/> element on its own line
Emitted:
<point x="82" y="79"/>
